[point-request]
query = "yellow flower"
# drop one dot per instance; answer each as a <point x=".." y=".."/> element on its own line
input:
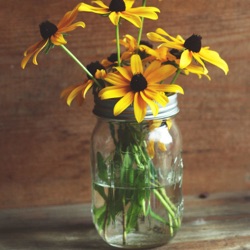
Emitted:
<point x="135" y="86"/>
<point x="79" y="91"/>
<point x="165" y="56"/>
<point x="121" y="9"/>
<point x="52" y="35"/>
<point x="191" y="49"/>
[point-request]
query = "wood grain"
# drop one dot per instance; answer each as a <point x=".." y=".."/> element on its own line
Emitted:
<point x="219" y="222"/>
<point x="44" y="144"/>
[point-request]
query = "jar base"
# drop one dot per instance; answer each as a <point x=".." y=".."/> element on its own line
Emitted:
<point x="138" y="241"/>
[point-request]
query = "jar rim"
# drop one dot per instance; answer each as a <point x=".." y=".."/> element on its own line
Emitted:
<point x="104" y="109"/>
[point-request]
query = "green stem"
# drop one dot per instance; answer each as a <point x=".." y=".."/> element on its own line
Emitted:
<point x="80" y="64"/>
<point x="176" y="76"/>
<point x="142" y="22"/>
<point x="118" y="48"/>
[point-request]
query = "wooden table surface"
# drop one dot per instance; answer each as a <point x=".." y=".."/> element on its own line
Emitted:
<point x="219" y="221"/>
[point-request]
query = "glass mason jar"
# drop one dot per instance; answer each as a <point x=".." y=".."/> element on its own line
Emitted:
<point x="136" y="176"/>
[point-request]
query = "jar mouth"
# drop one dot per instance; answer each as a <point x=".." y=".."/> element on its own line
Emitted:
<point x="104" y="109"/>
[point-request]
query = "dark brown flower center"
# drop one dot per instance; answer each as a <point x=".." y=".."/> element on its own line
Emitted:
<point x="47" y="29"/>
<point x="93" y="67"/>
<point x="117" y="5"/>
<point x="138" y="83"/>
<point x="193" y="43"/>
<point x="113" y="57"/>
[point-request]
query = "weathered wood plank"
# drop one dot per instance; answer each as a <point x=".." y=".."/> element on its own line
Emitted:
<point x="218" y="222"/>
<point x="44" y="144"/>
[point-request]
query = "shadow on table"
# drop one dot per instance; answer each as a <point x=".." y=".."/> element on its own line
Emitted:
<point x="64" y="237"/>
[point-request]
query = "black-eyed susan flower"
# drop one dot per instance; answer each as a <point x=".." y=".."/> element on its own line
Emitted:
<point x="121" y="9"/>
<point x="132" y="47"/>
<point x="164" y="55"/>
<point x="142" y="88"/>
<point x="52" y="35"/>
<point x="190" y="48"/>
<point x="79" y="91"/>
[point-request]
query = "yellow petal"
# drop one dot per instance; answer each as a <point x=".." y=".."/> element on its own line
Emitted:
<point x="38" y="51"/>
<point x="125" y="73"/>
<point x="186" y="58"/>
<point x="72" y="27"/>
<point x="135" y="20"/>
<point x="113" y="92"/>
<point x="123" y="103"/>
<point x="151" y="149"/>
<point x="147" y="12"/>
<point x="74" y="93"/>
<point x="164" y="33"/>
<point x="87" y="86"/>
<point x="161" y="74"/>
<point x="114" y="17"/>
<point x="154" y="107"/>
<point x="136" y="65"/>
<point x="151" y="68"/>
<point x="169" y="88"/>
<point x="35" y="49"/>
<point x="58" y="39"/>
<point x="88" y="8"/>
<point x="68" y="18"/>
<point x="129" y="3"/>
<point x="162" y="146"/>
<point x="157" y="96"/>
<point x="214" y="58"/>
<point x="116" y="79"/>
<point x="140" y="107"/>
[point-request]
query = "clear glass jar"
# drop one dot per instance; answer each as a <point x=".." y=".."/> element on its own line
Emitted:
<point x="137" y="180"/>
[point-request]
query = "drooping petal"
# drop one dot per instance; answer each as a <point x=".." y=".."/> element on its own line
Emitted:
<point x="75" y="92"/>
<point x="140" y="107"/>
<point x="32" y="50"/>
<point x="135" y="20"/>
<point x="88" y="85"/>
<point x="58" y="39"/>
<point x="114" y="17"/>
<point x="154" y="107"/>
<point x="158" y="97"/>
<point x="101" y="4"/>
<point x="136" y="65"/>
<point x="214" y="58"/>
<point x="196" y="56"/>
<point x="123" y="103"/>
<point x="186" y="58"/>
<point x="38" y="51"/>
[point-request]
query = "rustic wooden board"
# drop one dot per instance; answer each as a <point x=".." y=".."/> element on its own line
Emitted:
<point x="219" y="222"/>
<point x="44" y="144"/>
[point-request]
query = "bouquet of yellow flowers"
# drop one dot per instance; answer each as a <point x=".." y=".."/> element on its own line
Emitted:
<point x="128" y="85"/>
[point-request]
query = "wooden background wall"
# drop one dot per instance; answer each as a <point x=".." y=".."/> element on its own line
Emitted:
<point x="44" y="144"/>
